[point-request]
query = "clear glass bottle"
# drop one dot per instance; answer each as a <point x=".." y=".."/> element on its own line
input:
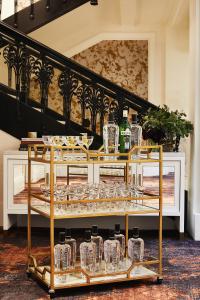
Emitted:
<point x="62" y="256"/>
<point x="111" y="253"/>
<point x="110" y="137"/>
<point x="72" y="243"/>
<point x="124" y="133"/>
<point x="97" y="239"/>
<point x="136" y="248"/>
<point x="121" y="238"/>
<point x="88" y="253"/>
<point x="136" y="134"/>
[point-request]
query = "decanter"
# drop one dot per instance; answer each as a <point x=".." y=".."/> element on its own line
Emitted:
<point x="121" y="238"/>
<point x="136" y="248"/>
<point x="110" y="137"/>
<point x="72" y="243"/>
<point x="97" y="239"/>
<point x="111" y="253"/>
<point x="136" y="134"/>
<point x="88" y="253"/>
<point x="62" y="256"/>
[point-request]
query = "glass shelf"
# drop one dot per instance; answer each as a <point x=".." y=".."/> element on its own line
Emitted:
<point x="91" y="212"/>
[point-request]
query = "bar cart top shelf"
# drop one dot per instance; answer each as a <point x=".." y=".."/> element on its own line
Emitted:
<point x="80" y="155"/>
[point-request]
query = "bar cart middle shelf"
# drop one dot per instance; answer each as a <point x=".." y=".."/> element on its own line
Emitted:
<point x="133" y="204"/>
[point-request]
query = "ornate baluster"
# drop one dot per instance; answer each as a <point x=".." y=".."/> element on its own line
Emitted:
<point x="44" y="72"/>
<point x="99" y="105"/>
<point x="14" y="58"/>
<point x="67" y="83"/>
<point x="0" y="8"/>
<point x="121" y="104"/>
<point x="103" y="105"/>
<point x="16" y="13"/>
<point x="84" y="94"/>
<point x="32" y="7"/>
<point x="48" y="4"/>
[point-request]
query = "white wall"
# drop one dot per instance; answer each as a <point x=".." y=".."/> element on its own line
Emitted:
<point x="158" y="21"/>
<point x="7" y="142"/>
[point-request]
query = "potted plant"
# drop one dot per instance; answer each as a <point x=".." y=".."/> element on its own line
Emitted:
<point x="165" y="127"/>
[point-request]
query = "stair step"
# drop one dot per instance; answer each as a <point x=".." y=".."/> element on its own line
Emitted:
<point x="36" y="108"/>
<point x="61" y="122"/>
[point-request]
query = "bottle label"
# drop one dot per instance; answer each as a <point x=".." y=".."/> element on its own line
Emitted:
<point x="125" y="113"/>
<point x="126" y="132"/>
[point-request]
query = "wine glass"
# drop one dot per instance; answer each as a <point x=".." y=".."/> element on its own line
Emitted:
<point x="87" y="141"/>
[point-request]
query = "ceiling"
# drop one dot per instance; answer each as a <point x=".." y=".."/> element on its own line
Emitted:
<point x="88" y="21"/>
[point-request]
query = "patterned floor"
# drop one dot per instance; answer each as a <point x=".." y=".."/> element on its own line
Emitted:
<point x="181" y="272"/>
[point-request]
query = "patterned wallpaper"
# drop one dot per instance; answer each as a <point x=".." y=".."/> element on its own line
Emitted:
<point x="123" y="62"/>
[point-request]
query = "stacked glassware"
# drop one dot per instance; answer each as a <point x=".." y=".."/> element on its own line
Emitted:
<point x="93" y="195"/>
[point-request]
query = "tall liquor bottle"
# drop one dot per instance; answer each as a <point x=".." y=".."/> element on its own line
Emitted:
<point x="110" y="137"/>
<point x="97" y="239"/>
<point x="111" y="253"/>
<point x="124" y="134"/>
<point x="121" y="238"/>
<point x="62" y="256"/>
<point x="88" y="253"/>
<point x="136" y="248"/>
<point x="136" y="134"/>
<point x="72" y="243"/>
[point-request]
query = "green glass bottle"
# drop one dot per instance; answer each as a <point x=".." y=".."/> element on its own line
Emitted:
<point x="124" y="134"/>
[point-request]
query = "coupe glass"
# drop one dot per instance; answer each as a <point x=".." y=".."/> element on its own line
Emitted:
<point x="87" y="141"/>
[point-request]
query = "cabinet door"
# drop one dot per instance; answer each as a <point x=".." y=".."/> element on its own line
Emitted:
<point x="171" y="184"/>
<point x="17" y="183"/>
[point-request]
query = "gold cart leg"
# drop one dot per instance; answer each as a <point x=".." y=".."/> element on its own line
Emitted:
<point x="52" y="291"/>
<point x="126" y="233"/>
<point x="29" y="209"/>
<point x="160" y="213"/>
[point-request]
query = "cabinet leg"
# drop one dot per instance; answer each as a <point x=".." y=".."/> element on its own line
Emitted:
<point x="52" y="293"/>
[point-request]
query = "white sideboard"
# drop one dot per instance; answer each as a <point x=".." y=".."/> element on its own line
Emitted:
<point x="15" y="172"/>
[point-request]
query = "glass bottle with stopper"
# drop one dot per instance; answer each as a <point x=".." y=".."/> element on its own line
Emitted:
<point x="136" y="248"/>
<point x="72" y="243"/>
<point x="62" y="256"/>
<point x="111" y="253"/>
<point x="121" y="238"/>
<point x="110" y="137"/>
<point x="88" y="253"/>
<point x="136" y="134"/>
<point x="97" y="239"/>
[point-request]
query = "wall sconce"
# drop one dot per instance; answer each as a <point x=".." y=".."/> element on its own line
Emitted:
<point x="94" y="2"/>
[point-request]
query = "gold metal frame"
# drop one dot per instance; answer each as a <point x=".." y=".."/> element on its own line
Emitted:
<point x="39" y="153"/>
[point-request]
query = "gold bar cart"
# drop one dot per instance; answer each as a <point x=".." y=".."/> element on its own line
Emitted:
<point x="78" y="276"/>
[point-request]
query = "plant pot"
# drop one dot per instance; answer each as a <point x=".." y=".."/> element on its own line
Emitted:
<point x="168" y="147"/>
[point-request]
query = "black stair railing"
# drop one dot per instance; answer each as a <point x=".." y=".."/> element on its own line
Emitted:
<point x="39" y="13"/>
<point x="93" y="95"/>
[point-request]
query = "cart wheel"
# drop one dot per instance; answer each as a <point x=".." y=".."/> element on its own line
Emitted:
<point x="52" y="294"/>
<point x="159" y="280"/>
<point x="28" y="273"/>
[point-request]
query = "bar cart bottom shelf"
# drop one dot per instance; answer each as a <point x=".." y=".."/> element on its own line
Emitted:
<point x="77" y="280"/>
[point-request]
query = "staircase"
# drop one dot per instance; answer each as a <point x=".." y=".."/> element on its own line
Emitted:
<point x="25" y="60"/>
<point x="40" y="13"/>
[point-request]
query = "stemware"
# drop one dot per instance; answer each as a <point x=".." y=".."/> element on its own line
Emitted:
<point x="87" y="141"/>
